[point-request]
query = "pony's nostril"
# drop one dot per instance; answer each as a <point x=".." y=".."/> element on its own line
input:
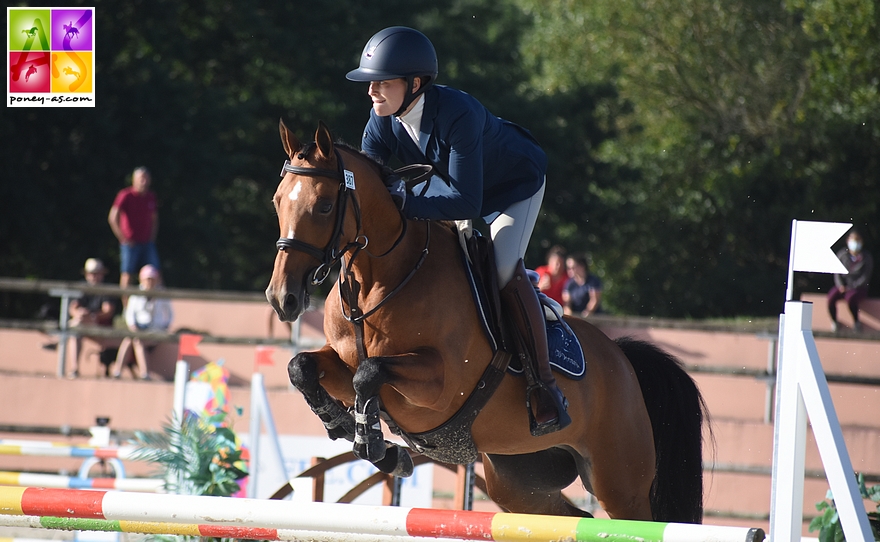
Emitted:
<point x="290" y="303"/>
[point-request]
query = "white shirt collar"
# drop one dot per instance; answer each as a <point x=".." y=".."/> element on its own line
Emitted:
<point x="412" y="121"/>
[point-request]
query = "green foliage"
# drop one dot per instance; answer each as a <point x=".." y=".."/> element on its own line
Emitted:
<point x="737" y="116"/>
<point x="198" y="453"/>
<point x="828" y="523"/>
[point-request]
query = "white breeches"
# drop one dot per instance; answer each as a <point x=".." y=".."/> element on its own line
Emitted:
<point x="511" y="231"/>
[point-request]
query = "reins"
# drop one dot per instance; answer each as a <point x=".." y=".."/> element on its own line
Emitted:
<point x="353" y="315"/>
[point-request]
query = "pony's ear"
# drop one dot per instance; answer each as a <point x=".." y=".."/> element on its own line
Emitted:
<point x="324" y="141"/>
<point x="290" y="142"/>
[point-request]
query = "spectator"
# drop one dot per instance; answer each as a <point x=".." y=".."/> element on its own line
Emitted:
<point x="134" y="220"/>
<point x="91" y="310"/>
<point x="143" y="313"/>
<point x="582" y="295"/>
<point x="552" y="276"/>
<point x="854" y="286"/>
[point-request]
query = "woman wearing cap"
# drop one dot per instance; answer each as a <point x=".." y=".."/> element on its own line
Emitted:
<point x="143" y="313"/>
<point x="489" y="168"/>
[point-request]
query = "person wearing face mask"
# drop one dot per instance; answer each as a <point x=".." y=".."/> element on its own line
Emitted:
<point x="484" y="166"/>
<point x="853" y="287"/>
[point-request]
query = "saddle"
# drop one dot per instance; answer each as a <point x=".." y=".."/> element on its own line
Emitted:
<point x="566" y="355"/>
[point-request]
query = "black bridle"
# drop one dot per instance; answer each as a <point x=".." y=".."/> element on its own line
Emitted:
<point x="332" y="253"/>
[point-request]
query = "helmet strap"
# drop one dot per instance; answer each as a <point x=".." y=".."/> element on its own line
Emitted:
<point x="409" y="97"/>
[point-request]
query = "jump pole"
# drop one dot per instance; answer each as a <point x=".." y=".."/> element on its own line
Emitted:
<point x="50" y="449"/>
<point x="182" y="529"/>
<point x="369" y="521"/>
<point x="25" y="479"/>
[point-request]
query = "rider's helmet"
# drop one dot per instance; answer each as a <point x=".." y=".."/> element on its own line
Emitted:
<point x="398" y="52"/>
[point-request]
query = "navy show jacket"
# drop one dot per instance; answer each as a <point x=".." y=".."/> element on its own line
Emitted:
<point x="485" y="163"/>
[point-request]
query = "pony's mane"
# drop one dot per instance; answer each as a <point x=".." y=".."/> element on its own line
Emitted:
<point x="381" y="170"/>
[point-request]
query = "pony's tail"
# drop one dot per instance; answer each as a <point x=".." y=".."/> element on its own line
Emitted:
<point x="677" y="411"/>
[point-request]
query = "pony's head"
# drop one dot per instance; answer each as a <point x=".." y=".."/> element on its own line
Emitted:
<point x="311" y="204"/>
<point x="319" y="215"/>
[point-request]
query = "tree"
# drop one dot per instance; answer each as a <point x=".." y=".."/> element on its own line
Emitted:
<point x="724" y="144"/>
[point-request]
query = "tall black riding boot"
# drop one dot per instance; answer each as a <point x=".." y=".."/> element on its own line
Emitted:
<point x="548" y="410"/>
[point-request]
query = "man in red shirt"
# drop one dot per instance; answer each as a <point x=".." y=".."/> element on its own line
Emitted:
<point x="135" y="221"/>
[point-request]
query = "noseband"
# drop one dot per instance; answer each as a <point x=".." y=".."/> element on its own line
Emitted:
<point x="332" y="253"/>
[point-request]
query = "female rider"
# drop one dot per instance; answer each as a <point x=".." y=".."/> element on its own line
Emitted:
<point x="491" y="168"/>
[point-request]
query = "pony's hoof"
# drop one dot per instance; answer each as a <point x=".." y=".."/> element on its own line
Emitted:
<point x="404" y="467"/>
<point x="397" y="461"/>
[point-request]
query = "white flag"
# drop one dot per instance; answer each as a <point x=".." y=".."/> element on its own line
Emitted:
<point x="811" y="246"/>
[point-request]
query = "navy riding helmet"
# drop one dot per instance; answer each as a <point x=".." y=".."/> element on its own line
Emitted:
<point x="398" y="52"/>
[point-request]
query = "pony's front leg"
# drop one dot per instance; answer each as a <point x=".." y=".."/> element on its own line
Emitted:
<point x="369" y="443"/>
<point x="306" y="371"/>
<point x="417" y="376"/>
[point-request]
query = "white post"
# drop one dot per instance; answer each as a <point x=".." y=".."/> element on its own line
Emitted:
<point x="295" y="337"/>
<point x="829" y="439"/>
<point x="789" y="439"/>
<point x="181" y="376"/>
<point x="789" y="285"/>
<point x="255" y="420"/>
<point x="261" y="415"/>
<point x="802" y="391"/>
<point x="259" y="389"/>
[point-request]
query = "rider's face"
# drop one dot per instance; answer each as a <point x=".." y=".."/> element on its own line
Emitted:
<point x="387" y="95"/>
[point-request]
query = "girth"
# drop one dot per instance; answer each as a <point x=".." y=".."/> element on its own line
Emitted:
<point x="453" y="442"/>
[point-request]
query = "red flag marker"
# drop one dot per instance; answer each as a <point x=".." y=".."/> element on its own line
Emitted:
<point x="264" y="356"/>
<point x="188" y="345"/>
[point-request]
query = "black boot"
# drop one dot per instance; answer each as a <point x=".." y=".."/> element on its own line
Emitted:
<point x="547" y="405"/>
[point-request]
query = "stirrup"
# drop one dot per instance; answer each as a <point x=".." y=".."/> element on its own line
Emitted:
<point x="560" y="404"/>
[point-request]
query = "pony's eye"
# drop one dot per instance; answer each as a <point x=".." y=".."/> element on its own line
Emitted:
<point x="325" y="207"/>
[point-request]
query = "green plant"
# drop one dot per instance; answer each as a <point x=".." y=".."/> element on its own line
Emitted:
<point x="199" y="455"/>
<point x="828" y="523"/>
